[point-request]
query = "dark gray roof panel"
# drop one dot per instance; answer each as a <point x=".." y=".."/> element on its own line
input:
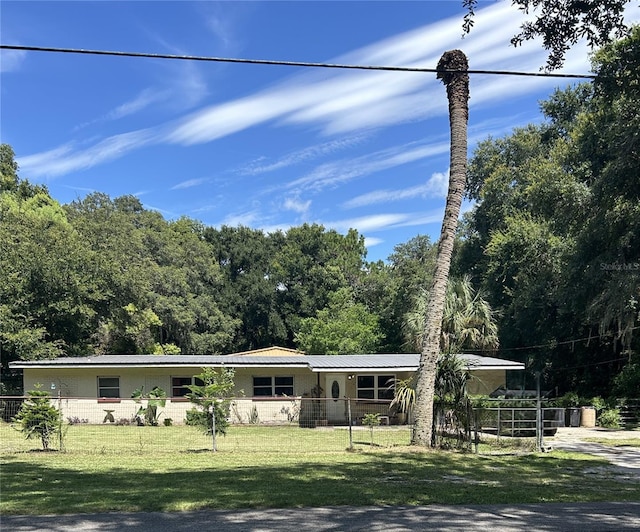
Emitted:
<point x="317" y="363"/>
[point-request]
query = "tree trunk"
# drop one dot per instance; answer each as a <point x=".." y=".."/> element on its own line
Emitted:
<point x="457" y="84"/>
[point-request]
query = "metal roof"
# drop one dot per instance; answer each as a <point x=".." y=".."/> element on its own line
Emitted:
<point x="316" y="363"/>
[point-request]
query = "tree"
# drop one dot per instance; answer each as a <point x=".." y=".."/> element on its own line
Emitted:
<point x="468" y="321"/>
<point x="311" y="264"/>
<point x="212" y="394"/>
<point x="37" y="418"/>
<point x="452" y="69"/>
<point x="562" y="23"/>
<point x="342" y="328"/>
<point x="554" y="235"/>
<point x="248" y="290"/>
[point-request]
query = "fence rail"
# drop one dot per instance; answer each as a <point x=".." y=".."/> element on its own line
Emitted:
<point x="629" y="413"/>
<point x="519" y="421"/>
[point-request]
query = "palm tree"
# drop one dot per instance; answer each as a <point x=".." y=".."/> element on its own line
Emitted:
<point x="452" y="70"/>
<point x="468" y="321"/>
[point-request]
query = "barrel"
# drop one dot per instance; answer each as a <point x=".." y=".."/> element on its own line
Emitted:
<point x="587" y="416"/>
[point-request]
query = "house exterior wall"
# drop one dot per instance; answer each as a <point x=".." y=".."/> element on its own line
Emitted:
<point x="78" y="388"/>
<point x="483" y="382"/>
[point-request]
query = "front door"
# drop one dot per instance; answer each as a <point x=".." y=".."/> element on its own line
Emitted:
<point x="336" y="393"/>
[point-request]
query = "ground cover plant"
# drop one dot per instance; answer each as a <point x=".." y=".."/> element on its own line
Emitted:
<point x="287" y="472"/>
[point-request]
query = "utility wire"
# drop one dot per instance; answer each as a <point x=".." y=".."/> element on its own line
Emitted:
<point x="285" y="63"/>
<point x="550" y="344"/>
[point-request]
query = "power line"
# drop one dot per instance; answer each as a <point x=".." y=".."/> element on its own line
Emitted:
<point x="551" y="344"/>
<point x="284" y="63"/>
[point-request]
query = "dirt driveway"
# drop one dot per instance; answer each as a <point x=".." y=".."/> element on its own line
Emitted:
<point x="625" y="460"/>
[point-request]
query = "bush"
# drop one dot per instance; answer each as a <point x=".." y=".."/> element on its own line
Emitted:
<point x="609" y="418"/>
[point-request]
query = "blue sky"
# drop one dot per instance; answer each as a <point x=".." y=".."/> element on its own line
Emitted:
<point x="268" y="147"/>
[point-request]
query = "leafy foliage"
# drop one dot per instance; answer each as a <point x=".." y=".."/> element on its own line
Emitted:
<point x="554" y="234"/>
<point x="468" y="321"/>
<point x="344" y="327"/>
<point x="37" y="418"/>
<point x="154" y="398"/>
<point x="562" y="23"/>
<point x="211" y="397"/>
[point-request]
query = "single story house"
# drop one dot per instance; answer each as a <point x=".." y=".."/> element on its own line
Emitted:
<point x="270" y="383"/>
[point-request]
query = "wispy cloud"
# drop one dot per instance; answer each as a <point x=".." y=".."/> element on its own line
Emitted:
<point x="141" y="101"/>
<point x="436" y="186"/>
<point x="247" y="219"/>
<point x="340" y="102"/>
<point x="67" y="158"/>
<point x="189" y="183"/>
<point x="262" y="165"/>
<point x="337" y="172"/>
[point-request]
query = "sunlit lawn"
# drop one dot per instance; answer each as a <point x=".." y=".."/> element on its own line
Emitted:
<point x="617" y="442"/>
<point x="285" y="467"/>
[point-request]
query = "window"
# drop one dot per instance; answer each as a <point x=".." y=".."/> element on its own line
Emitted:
<point x="375" y="387"/>
<point x="109" y="387"/>
<point x="272" y="386"/>
<point x="179" y="385"/>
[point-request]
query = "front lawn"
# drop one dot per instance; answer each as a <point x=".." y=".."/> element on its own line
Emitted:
<point x="301" y="474"/>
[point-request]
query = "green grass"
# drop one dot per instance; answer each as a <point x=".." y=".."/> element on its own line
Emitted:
<point x="617" y="442"/>
<point x="303" y="473"/>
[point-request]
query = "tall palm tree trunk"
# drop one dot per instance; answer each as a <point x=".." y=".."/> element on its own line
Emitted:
<point x="457" y="84"/>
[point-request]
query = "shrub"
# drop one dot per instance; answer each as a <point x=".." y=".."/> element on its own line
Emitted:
<point x="609" y="418"/>
<point x="155" y="398"/>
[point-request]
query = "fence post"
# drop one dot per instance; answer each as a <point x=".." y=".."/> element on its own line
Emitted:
<point x="349" y="421"/>
<point x="212" y="410"/>
<point x="539" y="422"/>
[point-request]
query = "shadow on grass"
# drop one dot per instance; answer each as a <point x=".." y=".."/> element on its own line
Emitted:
<point x="198" y="482"/>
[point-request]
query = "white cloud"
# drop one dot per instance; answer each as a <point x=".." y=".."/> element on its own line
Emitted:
<point x="369" y="242"/>
<point x="338" y="172"/>
<point x="189" y="183"/>
<point x="246" y="219"/>
<point x="436" y="186"/>
<point x="342" y="101"/>
<point x="260" y="166"/>
<point x="11" y="60"/>
<point x="141" y="101"/>
<point x="67" y="158"/>
<point x="296" y="205"/>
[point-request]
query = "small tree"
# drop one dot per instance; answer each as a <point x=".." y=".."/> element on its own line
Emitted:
<point x="155" y="398"/>
<point x="212" y="394"/>
<point x="371" y="420"/>
<point x="37" y="418"/>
